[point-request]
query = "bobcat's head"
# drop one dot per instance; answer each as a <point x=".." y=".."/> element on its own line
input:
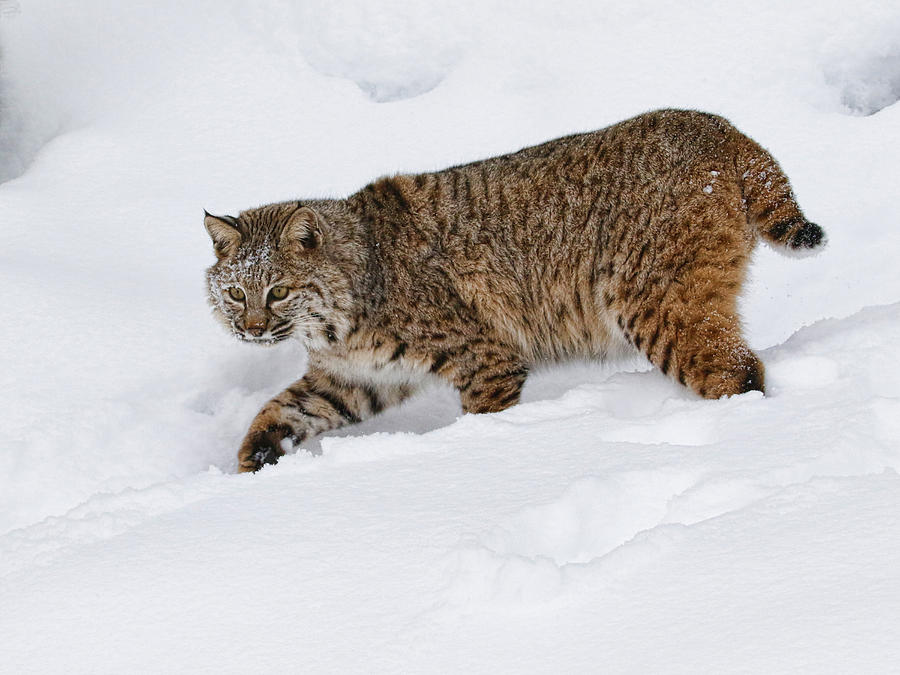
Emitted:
<point x="282" y="271"/>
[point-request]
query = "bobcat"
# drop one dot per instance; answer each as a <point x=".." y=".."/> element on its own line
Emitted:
<point x="636" y="236"/>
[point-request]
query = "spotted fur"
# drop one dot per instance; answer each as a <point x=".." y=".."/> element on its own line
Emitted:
<point x="636" y="236"/>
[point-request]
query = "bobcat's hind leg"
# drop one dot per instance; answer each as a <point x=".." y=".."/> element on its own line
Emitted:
<point x="688" y="326"/>
<point x="701" y="344"/>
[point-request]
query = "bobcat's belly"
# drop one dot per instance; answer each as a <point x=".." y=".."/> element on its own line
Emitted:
<point x="374" y="365"/>
<point x="561" y="324"/>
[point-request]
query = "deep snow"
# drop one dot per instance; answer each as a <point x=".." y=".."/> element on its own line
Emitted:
<point x="611" y="522"/>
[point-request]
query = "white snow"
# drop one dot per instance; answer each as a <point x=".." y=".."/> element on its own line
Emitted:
<point x="612" y="522"/>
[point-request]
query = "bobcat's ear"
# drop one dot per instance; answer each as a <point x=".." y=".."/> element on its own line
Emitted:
<point x="225" y="235"/>
<point x="306" y="227"/>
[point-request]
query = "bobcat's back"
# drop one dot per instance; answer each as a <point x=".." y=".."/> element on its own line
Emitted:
<point x="569" y="248"/>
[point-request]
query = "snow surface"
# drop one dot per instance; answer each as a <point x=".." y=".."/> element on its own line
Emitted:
<point x="613" y="522"/>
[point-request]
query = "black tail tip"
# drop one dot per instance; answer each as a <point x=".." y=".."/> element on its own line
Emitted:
<point x="808" y="237"/>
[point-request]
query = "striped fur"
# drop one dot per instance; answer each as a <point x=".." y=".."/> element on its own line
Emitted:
<point x="636" y="236"/>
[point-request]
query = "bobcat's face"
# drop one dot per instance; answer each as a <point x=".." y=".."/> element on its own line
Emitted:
<point x="275" y="278"/>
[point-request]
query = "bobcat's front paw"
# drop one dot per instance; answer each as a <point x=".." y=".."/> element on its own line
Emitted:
<point x="262" y="444"/>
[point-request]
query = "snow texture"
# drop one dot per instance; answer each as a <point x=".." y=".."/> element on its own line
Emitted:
<point x="612" y="522"/>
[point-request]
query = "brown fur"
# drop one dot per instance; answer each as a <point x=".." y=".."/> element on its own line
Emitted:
<point x="638" y="234"/>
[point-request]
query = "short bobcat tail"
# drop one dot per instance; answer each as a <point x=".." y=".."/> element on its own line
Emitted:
<point x="771" y="208"/>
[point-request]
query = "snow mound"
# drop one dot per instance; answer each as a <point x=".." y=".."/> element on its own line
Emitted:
<point x="607" y="525"/>
<point x="391" y="53"/>
<point x="865" y="69"/>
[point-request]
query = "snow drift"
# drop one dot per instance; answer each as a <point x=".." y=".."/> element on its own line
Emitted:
<point x="612" y="521"/>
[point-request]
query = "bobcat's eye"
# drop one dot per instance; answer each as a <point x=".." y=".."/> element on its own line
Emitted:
<point x="278" y="292"/>
<point x="236" y="293"/>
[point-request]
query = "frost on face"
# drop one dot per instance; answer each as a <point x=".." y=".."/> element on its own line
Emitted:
<point x="248" y="268"/>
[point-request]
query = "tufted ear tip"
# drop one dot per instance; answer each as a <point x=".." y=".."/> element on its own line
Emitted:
<point x="225" y="235"/>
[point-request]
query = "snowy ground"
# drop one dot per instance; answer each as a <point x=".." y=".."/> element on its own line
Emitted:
<point x="612" y="522"/>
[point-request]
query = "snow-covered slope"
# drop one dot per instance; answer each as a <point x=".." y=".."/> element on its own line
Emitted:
<point x="611" y="522"/>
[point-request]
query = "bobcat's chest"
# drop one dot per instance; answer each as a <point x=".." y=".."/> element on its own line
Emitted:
<point x="383" y="364"/>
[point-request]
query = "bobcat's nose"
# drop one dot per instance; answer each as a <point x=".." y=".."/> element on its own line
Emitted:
<point x="255" y="325"/>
